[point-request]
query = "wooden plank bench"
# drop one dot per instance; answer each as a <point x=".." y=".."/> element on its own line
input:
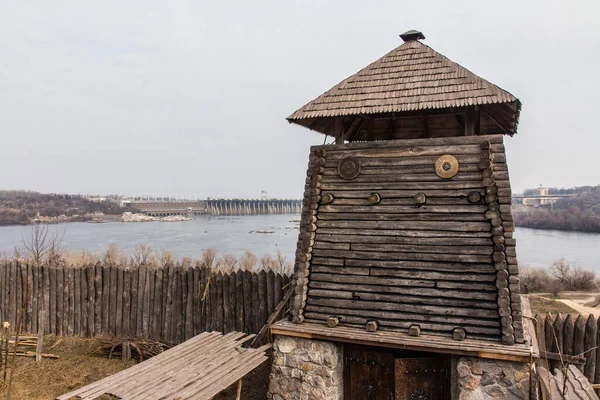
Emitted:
<point x="199" y="368"/>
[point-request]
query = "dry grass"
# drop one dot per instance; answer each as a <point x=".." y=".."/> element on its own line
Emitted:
<point x="225" y="263"/>
<point x="80" y="364"/>
<point x="542" y="305"/>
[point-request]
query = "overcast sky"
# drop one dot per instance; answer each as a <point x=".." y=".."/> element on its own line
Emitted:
<point x="191" y="97"/>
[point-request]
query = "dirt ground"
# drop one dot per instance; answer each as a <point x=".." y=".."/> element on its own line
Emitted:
<point x="254" y="386"/>
<point x="81" y="363"/>
<point x="566" y="303"/>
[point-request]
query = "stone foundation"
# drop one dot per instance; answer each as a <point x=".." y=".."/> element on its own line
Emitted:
<point x="482" y="379"/>
<point x="306" y="369"/>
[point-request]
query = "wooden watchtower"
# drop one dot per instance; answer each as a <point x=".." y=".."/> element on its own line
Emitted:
<point x="406" y="235"/>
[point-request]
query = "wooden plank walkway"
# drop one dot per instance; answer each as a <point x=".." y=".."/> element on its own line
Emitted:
<point x="569" y="384"/>
<point x="197" y="369"/>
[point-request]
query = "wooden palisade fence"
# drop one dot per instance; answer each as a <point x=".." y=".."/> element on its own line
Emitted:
<point x="570" y="339"/>
<point x="169" y="303"/>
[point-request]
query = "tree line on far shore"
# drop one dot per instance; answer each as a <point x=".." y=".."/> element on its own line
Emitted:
<point x="578" y="213"/>
<point x="21" y="207"/>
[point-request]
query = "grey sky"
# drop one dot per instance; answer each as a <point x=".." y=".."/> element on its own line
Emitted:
<point x="178" y="97"/>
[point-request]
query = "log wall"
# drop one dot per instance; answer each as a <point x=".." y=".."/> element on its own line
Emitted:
<point x="170" y="304"/>
<point x="398" y="244"/>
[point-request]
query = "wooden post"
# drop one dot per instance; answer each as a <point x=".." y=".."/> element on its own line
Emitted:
<point x="371" y="130"/>
<point x="239" y="390"/>
<point x="589" y="348"/>
<point x="40" y="338"/>
<point x="339" y="131"/>
<point x="471" y="121"/>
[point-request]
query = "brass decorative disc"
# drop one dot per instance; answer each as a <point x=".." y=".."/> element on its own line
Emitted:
<point x="446" y="166"/>
<point x="349" y="168"/>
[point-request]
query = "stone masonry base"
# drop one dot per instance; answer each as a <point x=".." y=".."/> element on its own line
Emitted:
<point x="483" y="379"/>
<point x="306" y="369"/>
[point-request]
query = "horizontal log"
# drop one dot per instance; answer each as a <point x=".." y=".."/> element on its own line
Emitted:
<point x="403" y="201"/>
<point x="420" y="265"/>
<point x="366" y="255"/>
<point x="395" y="162"/>
<point x="327" y="269"/>
<point x="442" y="241"/>
<point x="409" y="225"/>
<point x="331" y="246"/>
<point x="425" y="177"/>
<point x="406" y="291"/>
<point x="420" y="186"/>
<point x="438" y="276"/>
<point x="410" y="194"/>
<point x="404" y="233"/>
<point x="463" y="250"/>
<point x="408" y="209"/>
<point x="327" y="261"/>
<point x="403" y="273"/>
<point x="403" y="217"/>
<point x="391" y="315"/>
<point x="402" y="299"/>
<point x="329" y="277"/>
<point x="426" y="327"/>
<point x="395" y="170"/>
<point x="387" y="281"/>
<point x="408" y="150"/>
<point x="412" y="309"/>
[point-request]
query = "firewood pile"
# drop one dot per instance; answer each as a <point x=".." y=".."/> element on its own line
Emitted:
<point x="140" y="349"/>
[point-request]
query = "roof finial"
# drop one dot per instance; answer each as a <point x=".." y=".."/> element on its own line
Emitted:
<point x="412" y="35"/>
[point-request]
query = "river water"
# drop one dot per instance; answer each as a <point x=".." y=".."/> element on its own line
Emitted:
<point x="234" y="235"/>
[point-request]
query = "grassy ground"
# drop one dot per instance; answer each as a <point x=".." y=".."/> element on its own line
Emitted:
<point x="79" y="364"/>
<point x="542" y="305"/>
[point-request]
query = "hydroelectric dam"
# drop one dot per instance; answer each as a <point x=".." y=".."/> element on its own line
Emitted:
<point x="216" y="207"/>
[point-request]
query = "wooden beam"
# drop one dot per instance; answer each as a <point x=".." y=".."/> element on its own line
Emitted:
<point x="356" y="127"/>
<point x="435" y="344"/>
<point x="339" y="130"/>
<point x="470" y="121"/>
<point x="371" y="133"/>
<point x="498" y="120"/>
<point x="477" y="118"/>
<point x="461" y="124"/>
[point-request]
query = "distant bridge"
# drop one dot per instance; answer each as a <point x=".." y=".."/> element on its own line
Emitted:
<point x="217" y="207"/>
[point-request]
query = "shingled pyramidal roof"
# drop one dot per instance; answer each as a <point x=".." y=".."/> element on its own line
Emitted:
<point x="412" y="78"/>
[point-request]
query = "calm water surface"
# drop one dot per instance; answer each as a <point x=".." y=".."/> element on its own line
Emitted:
<point x="537" y="248"/>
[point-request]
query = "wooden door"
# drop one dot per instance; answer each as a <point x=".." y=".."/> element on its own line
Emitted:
<point x="422" y="379"/>
<point x="369" y="374"/>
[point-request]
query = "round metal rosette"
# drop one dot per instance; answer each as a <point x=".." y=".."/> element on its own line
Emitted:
<point x="349" y="168"/>
<point x="446" y="166"/>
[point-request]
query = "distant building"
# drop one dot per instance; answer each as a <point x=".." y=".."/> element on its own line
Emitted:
<point x="539" y="197"/>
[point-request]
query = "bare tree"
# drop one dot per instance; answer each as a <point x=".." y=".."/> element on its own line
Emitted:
<point x="228" y="263"/>
<point x="41" y="245"/>
<point x="248" y="261"/>
<point x="208" y="258"/>
<point x="268" y="263"/>
<point x="561" y="270"/>
<point x="166" y="258"/>
<point x="143" y="255"/>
